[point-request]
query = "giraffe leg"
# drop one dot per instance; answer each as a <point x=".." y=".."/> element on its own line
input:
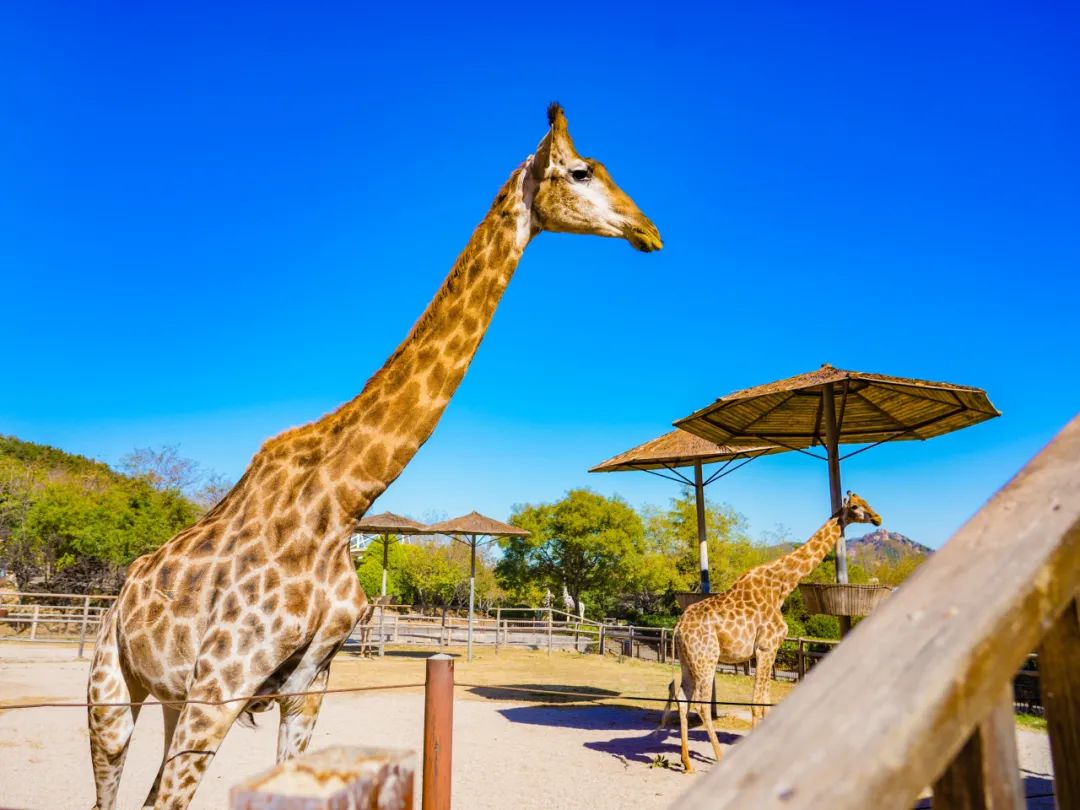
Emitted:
<point x="199" y="732"/>
<point x="110" y="726"/>
<point x="672" y="690"/>
<point x="170" y="717"/>
<point x="703" y="701"/>
<point x="682" y="700"/>
<point x="762" y="683"/>
<point x="298" y="716"/>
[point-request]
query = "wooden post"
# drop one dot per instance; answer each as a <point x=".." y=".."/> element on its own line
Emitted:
<point x="832" y="446"/>
<point x="382" y="624"/>
<point x="498" y="622"/>
<point x="600" y="645"/>
<point x="663" y="645"/>
<point x="986" y="772"/>
<point x="703" y="542"/>
<point x="549" y="630"/>
<point x="341" y="776"/>
<point x="34" y="622"/>
<point x="802" y="659"/>
<point x="82" y="629"/>
<point x="632" y="641"/>
<point x="1059" y="677"/>
<point x="472" y="596"/>
<point x="438" y="732"/>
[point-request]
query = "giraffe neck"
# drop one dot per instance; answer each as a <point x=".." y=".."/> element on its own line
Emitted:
<point x="800" y="562"/>
<point x="335" y="467"/>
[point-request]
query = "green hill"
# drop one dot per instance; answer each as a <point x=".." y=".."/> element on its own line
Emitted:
<point x="44" y="456"/>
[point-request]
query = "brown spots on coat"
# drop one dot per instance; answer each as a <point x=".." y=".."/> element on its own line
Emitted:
<point x="298" y="597"/>
<point x="219" y="643"/>
<point x="230" y="608"/>
<point x="181" y="644"/>
<point x="271" y="580"/>
<point x="232" y="675"/>
<point x="283" y="528"/>
<point x="295" y="558"/>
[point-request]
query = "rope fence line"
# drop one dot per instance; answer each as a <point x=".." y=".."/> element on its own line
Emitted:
<point x="591" y="696"/>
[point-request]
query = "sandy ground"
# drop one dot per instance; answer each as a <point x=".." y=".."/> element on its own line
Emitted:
<point x="506" y="753"/>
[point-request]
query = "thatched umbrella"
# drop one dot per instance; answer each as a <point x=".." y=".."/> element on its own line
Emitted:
<point x="387" y="524"/>
<point x="830" y="407"/>
<point x="469" y="529"/>
<point x="664" y="455"/>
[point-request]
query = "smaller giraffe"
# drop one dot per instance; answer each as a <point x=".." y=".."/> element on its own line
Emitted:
<point x="744" y="622"/>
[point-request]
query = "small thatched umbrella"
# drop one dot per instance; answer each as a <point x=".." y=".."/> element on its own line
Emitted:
<point x="664" y="455"/>
<point x="387" y="524"/>
<point x="469" y="529"/>
<point x="830" y="407"/>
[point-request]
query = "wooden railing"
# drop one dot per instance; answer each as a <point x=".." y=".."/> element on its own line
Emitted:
<point x="919" y="694"/>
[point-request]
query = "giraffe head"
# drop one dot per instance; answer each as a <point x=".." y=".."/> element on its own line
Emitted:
<point x="572" y="194"/>
<point x="856" y="510"/>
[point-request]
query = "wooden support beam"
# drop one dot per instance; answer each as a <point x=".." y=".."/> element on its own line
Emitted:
<point x="1059" y="676"/>
<point x="985" y="775"/>
<point x="332" y="779"/>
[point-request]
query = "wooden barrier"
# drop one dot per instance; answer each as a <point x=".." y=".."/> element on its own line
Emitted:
<point x="438" y="731"/>
<point x="915" y="695"/>
<point x="338" y="778"/>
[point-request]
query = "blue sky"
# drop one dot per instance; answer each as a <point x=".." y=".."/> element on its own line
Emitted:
<point x="219" y="220"/>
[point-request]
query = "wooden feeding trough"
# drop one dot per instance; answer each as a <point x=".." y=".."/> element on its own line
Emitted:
<point x="687" y="598"/>
<point x="843" y="600"/>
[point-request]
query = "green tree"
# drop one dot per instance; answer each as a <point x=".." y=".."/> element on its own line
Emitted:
<point x="588" y="542"/>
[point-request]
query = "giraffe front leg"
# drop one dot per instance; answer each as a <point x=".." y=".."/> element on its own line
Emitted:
<point x="703" y="701"/>
<point x="199" y="732"/>
<point x="110" y="726"/>
<point x="762" y="683"/>
<point x="298" y="716"/>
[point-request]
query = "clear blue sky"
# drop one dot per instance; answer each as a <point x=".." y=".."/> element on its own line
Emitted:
<point x="218" y="221"/>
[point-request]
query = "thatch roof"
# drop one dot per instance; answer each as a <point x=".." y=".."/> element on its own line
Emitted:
<point x="476" y="524"/>
<point x="679" y="449"/>
<point x="389" y="523"/>
<point x="869" y="408"/>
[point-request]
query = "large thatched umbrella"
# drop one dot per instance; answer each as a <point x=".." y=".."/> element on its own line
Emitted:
<point x="830" y="407"/>
<point x="469" y="529"/>
<point x="664" y="455"/>
<point x="387" y="524"/>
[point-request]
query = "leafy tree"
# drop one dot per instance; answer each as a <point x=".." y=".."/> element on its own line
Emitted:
<point x="588" y="542"/>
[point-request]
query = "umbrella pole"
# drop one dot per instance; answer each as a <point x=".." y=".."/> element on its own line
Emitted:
<point x="472" y="594"/>
<point x="385" y="559"/>
<point x="703" y="545"/>
<point x="832" y="445"/>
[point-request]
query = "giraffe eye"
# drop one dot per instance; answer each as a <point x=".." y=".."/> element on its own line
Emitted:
<point x="581" y="175"/>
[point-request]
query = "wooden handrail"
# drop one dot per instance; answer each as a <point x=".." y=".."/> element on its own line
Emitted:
<point x="914" y="696"/>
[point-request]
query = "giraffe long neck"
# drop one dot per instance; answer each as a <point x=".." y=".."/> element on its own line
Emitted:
<point x="332" y="469"/>
<point x="800" y="562"/>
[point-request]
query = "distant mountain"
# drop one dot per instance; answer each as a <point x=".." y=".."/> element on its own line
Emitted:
<point x="882" y="545"/>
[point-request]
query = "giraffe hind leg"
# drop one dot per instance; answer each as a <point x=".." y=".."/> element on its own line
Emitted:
<point x="703" y="702"/>
<point x="170" y="716"/>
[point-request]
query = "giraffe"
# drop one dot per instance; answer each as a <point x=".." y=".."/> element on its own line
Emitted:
<point x="745" y="621"/>
<point x="259" y="594"/>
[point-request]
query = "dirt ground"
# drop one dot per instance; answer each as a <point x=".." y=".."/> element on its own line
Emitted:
<point x="508" y="751"/>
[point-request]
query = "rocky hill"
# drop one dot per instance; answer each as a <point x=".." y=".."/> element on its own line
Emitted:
<point x="882" y="545"/>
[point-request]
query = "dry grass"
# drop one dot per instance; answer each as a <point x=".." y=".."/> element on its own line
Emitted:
<point x="606" y="676"/>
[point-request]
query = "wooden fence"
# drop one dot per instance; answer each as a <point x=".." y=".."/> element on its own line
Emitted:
<point x="919" y="694"/>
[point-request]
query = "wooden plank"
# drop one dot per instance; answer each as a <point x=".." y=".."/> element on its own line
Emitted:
<point x="985" y="775"/>
<point x="880" y="717"/>
<point x="342" y="776"/>
<point x="1059" y="668"/>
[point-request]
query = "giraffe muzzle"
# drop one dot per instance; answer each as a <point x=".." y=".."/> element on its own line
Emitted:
<point x="645" y="238"/>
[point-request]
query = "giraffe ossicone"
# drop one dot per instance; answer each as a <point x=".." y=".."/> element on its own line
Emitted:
<point x="258" y="596"/>
<point x="746" y="622"/>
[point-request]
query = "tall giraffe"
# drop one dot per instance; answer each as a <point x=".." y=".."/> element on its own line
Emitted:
<point x="745" y="621"/>
<point x="257" y="596"/>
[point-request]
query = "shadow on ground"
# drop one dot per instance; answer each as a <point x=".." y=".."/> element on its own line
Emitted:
<point x="519" y="692"/>
<point x="644" y="748"/>
<point x="1038" y="788"/>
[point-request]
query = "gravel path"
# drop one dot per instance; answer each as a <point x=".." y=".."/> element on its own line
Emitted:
<point x="506" y="754"/>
